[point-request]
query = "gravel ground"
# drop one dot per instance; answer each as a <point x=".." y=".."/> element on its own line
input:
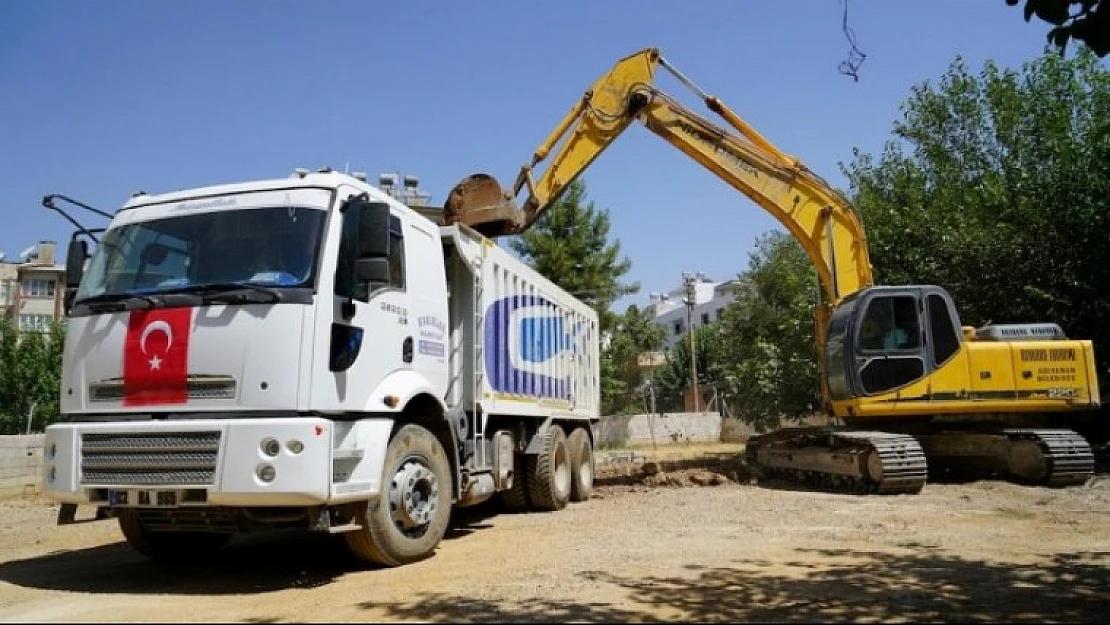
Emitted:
<point x="982" y="551"/>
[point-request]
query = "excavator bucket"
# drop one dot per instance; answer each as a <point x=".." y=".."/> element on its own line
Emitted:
<point x="480" y="202"/>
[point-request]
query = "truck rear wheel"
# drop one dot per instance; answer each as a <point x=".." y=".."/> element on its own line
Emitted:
<point x="410" y="516"/>
<point x="168" y="545"/>
<point x="581" y="464"/>
<point x="549" y="472"/>
<point x="515" y="499"/>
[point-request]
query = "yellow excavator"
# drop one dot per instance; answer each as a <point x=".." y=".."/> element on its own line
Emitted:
<point x="910" y="388"/>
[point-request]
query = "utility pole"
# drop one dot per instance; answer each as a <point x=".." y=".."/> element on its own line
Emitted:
<point x="689" y="283"/>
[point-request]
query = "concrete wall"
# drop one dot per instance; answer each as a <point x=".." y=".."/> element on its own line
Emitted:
<point x="20" y="465"/>
<point x="677" y="427"/>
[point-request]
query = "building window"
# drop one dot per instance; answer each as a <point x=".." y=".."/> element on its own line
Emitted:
<point x="705" y="318"/>
<point x="3" y="292"/>
<point x="35" y="323"/>
<point x="720" y="313"/>
<point x="37" y="287"/>
<point x="677" y="328"/>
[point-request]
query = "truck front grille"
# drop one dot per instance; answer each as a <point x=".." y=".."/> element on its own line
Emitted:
<point x="197" y="387"/>
<point x="149" y="459"/>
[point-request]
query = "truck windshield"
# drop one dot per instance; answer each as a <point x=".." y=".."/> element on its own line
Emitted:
<point x="269" y="247"/>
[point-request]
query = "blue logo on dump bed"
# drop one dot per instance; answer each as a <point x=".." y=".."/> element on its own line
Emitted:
<point x="531" y="347"/>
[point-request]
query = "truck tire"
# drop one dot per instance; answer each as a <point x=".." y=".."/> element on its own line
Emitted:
<point x="410" y="517"/>
<point x="168" y="546"/>
<point x="549" y="472"/>
<point x="515" y="499"/>
<point x="581" y="464"/>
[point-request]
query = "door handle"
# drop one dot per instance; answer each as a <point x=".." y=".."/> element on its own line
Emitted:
<point x="406" y="349"/>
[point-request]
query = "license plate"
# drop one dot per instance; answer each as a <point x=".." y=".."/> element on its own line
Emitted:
<point x="144" y="498"/>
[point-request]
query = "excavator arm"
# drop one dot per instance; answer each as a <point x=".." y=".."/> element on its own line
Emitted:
<point x="814" y="213"/>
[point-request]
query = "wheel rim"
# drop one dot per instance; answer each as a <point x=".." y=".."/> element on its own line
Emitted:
<point x="562" y="470"/>
<point x="413" y="497"/>
<point x="586" y="472"/>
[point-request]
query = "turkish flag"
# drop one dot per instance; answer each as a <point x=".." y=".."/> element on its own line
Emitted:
<point x="156" y="357"/>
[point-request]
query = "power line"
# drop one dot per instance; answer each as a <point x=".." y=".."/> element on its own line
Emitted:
<point x="856" y="57"/>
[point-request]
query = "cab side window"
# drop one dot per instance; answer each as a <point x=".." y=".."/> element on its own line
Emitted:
<point x="396" y="253"/>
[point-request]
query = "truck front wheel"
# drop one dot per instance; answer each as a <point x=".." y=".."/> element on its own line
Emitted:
<point x="410" y="516"/>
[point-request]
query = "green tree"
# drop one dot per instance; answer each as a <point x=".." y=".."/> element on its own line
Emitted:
<point x="634" y="333"/>
<point x="9" y="380"/>
<point x="1083" y="20"/>
<point x="672" y="380"/>
<point x="768" y="348"/>
<point x="995" y="187"/>
<point x="570" y="245"/>
<point x="30" y="376"/>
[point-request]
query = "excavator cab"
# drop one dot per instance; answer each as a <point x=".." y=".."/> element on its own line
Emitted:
<point x="884" y="338"/>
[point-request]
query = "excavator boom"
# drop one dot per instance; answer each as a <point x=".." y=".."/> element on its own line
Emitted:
<point x="815" y="214"/>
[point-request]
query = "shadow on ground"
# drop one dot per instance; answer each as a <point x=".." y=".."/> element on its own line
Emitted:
<point x="824" y="585"/>
<point x="252" y="563"/>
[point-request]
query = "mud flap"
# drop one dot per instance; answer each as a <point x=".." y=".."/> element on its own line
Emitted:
<point x="67" y="514"/>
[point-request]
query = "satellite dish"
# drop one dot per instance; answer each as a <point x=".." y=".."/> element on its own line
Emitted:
<point x="27" y="252"/>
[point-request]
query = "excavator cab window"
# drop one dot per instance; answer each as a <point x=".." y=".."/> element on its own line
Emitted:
<point x="889" y="349"/>
<point x="890" y="323"/>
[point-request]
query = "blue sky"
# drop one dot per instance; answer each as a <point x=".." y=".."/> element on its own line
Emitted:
<point x="98" y="99"/>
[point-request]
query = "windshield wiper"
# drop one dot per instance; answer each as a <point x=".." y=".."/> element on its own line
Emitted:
<point x="233" y="292"/>
<point x="116" y="301"/>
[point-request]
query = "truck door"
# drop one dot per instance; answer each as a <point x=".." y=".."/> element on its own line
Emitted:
<point x="368" y="334"/>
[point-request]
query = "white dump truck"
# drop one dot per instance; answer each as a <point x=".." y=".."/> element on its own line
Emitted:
<point x="309" y="352"/>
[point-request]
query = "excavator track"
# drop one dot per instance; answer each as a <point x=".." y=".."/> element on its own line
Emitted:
<point x="850" y="461"/>
<point x="1067" y="457"/>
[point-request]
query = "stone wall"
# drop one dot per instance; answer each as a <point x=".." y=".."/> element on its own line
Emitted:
<point x="20" y="465"/>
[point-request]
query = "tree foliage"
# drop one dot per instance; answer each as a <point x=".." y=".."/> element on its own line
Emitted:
<point x="633" y="334"/>
<point x="770" y="348"/>
<point x="672" y="379"/>
<point x="995" y="187"/>
<point x="761" y="356"/>
<point x="30" y="376"/>
<point x="570" y="245"/>
<point x="1087" y="21"/>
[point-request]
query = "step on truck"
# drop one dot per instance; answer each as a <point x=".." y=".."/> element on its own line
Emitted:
<point x="310" y="352"/>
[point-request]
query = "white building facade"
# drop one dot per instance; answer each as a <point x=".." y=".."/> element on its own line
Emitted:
<point x="33" y="288"/>
<point x="668" y="310"/>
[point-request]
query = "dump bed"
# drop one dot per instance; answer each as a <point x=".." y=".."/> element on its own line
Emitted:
<point x="519" y="344"/>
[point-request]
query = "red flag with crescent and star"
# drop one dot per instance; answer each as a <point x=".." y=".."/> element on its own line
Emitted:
<point x="156" y="357"/>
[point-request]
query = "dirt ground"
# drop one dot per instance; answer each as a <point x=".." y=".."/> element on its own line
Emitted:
<point x="652" y="548"/>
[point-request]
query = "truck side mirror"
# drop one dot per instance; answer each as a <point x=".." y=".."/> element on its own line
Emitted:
<point x="364" y="256"/>
<point x="372" y="270"/>
<point x="373" y="230"/>
<point x="76" y="255"/>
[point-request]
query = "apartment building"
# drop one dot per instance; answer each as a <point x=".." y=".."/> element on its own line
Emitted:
<point x="32" y="288"/>
<point x="668" y="310"/>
